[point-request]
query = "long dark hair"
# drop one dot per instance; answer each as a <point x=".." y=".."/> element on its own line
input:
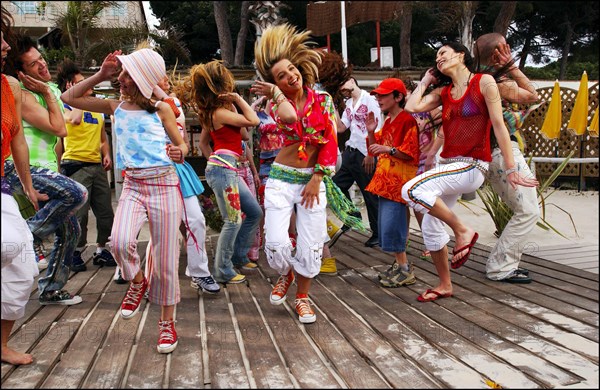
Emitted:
<point x="468" y="61"/>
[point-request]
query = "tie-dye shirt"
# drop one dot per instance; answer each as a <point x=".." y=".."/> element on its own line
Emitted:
<point x="141" y="139"/>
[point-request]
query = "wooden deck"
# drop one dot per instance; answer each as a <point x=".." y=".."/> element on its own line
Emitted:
<point x="541" y="335"/>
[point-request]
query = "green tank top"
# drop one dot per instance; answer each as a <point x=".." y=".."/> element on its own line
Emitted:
<point x="41" y="144"/>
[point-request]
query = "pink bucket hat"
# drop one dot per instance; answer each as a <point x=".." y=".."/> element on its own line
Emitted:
<point x="146" y="67"/>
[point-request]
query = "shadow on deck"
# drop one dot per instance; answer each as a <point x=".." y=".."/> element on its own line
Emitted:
<point x="541" y="335"/>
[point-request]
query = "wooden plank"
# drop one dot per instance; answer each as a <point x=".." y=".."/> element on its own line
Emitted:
<point x="50" y="347"/>
<point x="430" y="323"/>
<point x="186" y="364"/>
<point x="225" y="359"/>
<point x="377" y="350"/>
<point x="347" y="361"/>
<point x="268" y="370"/>
<point x="567" y="247"/>
<point x="536" y="264"/>
<point x="571" y="289"/>
<point x="113" y="357"/>
<point x="302" y="359"/>
<point x="147" y="368"/>
<point x="531" y="336"/>
<point x="75" y="363"/>
<point x="72" y="286"/>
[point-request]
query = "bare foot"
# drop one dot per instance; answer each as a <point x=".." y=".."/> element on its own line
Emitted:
<point x="462" y="241"/>
<point x="13" y="357"/>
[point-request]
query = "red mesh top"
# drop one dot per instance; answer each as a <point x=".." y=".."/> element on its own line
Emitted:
<point x="466" y="123"/>
<point x="227" y="137"/>
<point x="10" y="122"/>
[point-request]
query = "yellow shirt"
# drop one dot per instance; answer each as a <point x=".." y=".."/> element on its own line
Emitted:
<point x="82" y="142"/>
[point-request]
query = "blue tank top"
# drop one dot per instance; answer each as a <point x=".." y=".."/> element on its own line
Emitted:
<point x="141" y="139"/>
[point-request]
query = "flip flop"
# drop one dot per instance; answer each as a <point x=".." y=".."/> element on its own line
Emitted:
<point x="458" y="263"/>
<point x="425" y="255"/>
<point x="438" y="295"/>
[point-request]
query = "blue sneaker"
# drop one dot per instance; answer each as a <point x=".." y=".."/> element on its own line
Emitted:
<point x="77" y="265"/>
<point x="104" y="259"/>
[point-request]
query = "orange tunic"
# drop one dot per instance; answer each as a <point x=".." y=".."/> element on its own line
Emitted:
<point x="391" y="172"/>
<point x="10" y="122"/>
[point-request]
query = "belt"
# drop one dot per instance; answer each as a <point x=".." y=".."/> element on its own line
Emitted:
<point x="350" y="148"/>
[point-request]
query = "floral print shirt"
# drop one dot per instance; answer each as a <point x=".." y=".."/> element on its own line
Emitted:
<point x="316" y="126"/>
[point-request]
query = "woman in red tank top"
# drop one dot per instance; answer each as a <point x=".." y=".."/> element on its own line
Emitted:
<point x="212" y="95"/>
<point x="470" y="108"/>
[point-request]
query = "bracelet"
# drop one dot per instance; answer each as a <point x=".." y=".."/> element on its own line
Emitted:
<point x="280" y="99"/>
<point x="511" y="170"/>
<point x="275" y="91"/>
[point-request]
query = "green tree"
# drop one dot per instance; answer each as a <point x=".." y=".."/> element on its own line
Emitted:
<point x="76" y="22"/>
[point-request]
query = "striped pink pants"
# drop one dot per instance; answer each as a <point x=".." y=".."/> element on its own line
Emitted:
<point x="153" y="194"/>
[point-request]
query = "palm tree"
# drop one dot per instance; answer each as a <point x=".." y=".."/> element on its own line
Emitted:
<point x="265" y="14"/>
<point x="77" y="21"/>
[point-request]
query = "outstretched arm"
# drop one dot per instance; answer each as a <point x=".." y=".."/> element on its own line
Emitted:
<point x="74" y="96"/>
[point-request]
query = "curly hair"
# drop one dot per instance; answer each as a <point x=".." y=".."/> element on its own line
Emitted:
<point x="286" y="42"/>
<point x="66" y="72"/>
<point x="333" y="73"/>
<point x="201" y="89"/>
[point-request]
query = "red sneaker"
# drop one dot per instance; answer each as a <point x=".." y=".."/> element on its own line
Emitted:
<point x="281" y="287"/>
<point x="133" y="298"/>
<point x="306" y="314"/>
<point x="167" y="337"/>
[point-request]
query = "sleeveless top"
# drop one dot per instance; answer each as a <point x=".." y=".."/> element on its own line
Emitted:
<point x="141" y="139"/>
<point x="10" y="124"/>
<point x="466" y="123"/>
<point x="227" y="137"/>
<point x="41" y="144"/>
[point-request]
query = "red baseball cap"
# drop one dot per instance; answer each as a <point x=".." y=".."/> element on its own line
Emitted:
<point x="390" y="85"/>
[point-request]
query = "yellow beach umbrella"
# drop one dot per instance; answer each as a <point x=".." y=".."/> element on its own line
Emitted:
<point x="553" y="121"/>
<point x="579" y="114"/>
<point x="593" y="129"/>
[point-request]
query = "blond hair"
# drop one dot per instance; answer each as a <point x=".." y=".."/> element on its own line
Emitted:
<point x="201" y="89"/>
<point x="285" y="42"/>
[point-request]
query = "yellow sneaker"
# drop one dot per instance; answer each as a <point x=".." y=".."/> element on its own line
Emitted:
<point x="328" y="267"/>
<point x="250" y="265"/>
<point x="239" y="278"/>
<point x="334" y="232"/>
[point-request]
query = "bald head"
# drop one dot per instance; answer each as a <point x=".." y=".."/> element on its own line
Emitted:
<point x="484" y="47"/>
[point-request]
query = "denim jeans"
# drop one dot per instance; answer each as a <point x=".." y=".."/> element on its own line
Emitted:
<point x="393" y="226"/>
<point x="56" y="215"/>
<point x="237" y="234"/>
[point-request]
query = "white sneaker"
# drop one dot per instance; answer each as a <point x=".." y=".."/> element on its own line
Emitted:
<point x="205" y="283"/>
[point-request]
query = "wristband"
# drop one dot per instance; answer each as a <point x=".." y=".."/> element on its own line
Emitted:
<point x="511" y="170"/>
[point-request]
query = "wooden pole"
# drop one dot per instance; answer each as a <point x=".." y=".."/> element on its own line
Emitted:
<point x="378" y="33"/>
